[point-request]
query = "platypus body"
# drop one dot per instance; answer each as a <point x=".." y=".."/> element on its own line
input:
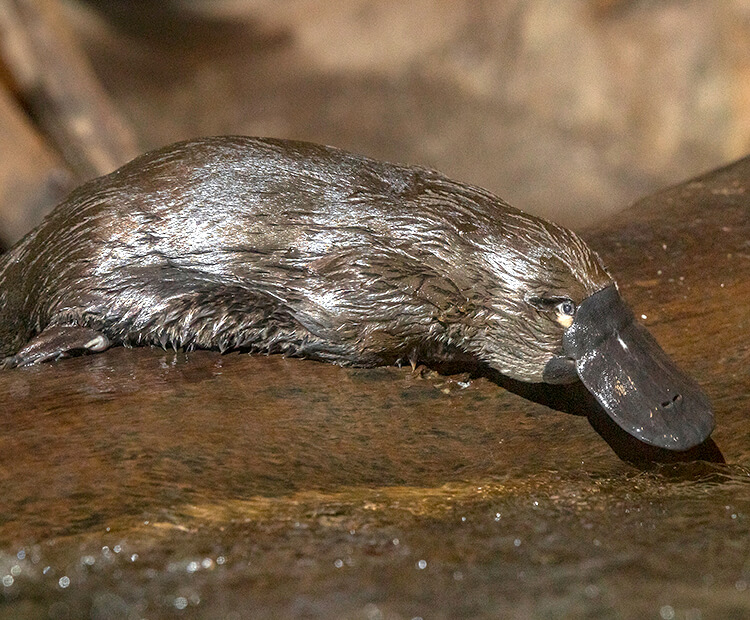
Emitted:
<point x="288" y="247"/>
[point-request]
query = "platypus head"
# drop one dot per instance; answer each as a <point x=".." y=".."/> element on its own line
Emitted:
<point x="567" y="322"/>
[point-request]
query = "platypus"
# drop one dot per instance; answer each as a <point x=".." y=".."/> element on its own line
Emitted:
<point x="288" y="247"/>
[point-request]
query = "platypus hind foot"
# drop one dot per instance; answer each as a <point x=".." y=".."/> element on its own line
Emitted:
<point x="56" y="342"/>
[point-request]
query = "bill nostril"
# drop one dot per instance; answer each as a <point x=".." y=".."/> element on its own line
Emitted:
<point x="675" y="400"/>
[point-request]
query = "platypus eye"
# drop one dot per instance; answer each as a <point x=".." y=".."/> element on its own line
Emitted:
<point x="565" y="312"/>
<point x="566" y="308"/>
<point x="560" y="305"/>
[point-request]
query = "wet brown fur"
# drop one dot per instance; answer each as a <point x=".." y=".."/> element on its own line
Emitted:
<point x="294" y="248"/>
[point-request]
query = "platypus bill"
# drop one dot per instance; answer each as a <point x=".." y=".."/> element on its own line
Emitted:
<point x="305" y="250"/>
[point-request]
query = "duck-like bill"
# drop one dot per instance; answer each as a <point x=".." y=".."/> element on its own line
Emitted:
<point x="632" y="378"/>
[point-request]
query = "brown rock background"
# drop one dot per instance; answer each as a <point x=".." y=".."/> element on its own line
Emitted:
<point x="567" y="108"/>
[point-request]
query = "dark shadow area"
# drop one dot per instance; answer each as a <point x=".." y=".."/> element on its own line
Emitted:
<point x="642" y="455"/>
<point x="170" y="26"/>
<point x="575" y="399"/>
